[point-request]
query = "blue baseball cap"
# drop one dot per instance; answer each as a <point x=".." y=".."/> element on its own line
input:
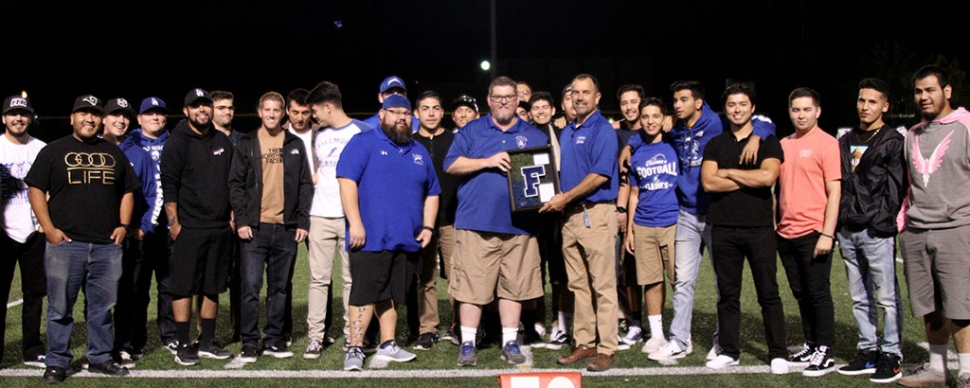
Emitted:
<point x="392" y="82"/>
<point x="152" y="103"/>
<point x="396" y="101"/>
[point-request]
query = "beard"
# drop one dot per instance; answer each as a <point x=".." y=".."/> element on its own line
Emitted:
<point x="198" y="125"/>
<point x="400" y="134"/>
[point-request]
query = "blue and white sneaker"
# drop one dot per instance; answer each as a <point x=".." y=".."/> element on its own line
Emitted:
<point x="512" y="353"/>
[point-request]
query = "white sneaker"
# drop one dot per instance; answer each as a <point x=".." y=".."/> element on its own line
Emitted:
<point x="653" y="345"/>
<point x="721" y="362"/>
<point x="670" y="351"/>
<point x="779" y="366"/>
<point x="540" y="329"/>
<point x="620" y="345"/>
<point x="715" y="351"/>
<point x="633" y="335"/>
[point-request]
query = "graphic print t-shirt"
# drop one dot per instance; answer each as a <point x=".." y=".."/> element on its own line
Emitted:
<point x="18" y="220"/>
<point x="271" y="149"/>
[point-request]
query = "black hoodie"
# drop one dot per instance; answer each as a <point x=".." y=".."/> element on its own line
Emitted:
<point x="195" y="175"/>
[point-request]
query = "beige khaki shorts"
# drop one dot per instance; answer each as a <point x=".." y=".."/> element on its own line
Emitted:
<point x="486" y="265"/>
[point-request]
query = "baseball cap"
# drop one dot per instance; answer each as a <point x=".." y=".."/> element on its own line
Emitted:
<point x="392" y="82"/>
<point x="525" y="105"/>
<point x="465" y="100"/>
<point x="195" y="95"/>
<point x="396" y="101"/>
<point x="116" y="104"/>
<point x="88" y="102"/>
<point x="17" y="102"/>
<point x="150" y="103"/>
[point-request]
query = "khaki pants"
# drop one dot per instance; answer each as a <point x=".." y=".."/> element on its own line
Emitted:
<point x="326" y="237"/>
<point x="444" y="239"/>
<point x="590" y="264"/>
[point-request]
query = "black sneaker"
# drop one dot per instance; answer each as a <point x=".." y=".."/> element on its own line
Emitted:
<point x="803" y="357"/>
<point x="887" y="369"/>
<point x="187" y="356"/>
<point x="36" y="361"/>
<point x="172" y="347"/>
<point x="425" y="341"/>
<point x="110" y="368"/>
<point x="450" y="336"/>
<point x="820" y="364"/>
<point x="250" y="353"/>
<point x="54" y="374"/>
<point x="864" y="363"/>
<point x="214" y="351"/>
<point x="277" y="350"/>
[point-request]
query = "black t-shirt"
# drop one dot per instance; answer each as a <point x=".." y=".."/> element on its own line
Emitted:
<point x="438" y="147"/>
<point x="86" y="182"/>
<point x="747" y="207"/>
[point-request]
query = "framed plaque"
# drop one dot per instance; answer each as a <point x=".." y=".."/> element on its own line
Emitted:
<point x="533" y="178"/>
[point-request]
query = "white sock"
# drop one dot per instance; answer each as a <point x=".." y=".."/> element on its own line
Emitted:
<point x="468" y="334"/>
<point x="509" y="334"/>
<point x="562" y="322"/>
<point x="964" y="363"/>
<point x="656" y="326"/>
<point x="938" y="358"/>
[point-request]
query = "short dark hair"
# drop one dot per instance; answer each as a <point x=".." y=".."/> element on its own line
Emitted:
<point x="325" y="92"/>
<point x="503" y="81"/>
<point x="221" y="95"/>
<point x="427" y="94"/>
<point x="596" y="82"/>
<point x="542" y="96"/>
<point x="298" y="96"/>
<point x="696" y="88"/>
<point x="630" y="88"/>
<point x="877" y="85"/>
<point x="942" y="75"/>
<point x="739" y="88"/>
<point x="565" y="89"/>
<point x="653" y="101"/>
<point x="805" y="92"/>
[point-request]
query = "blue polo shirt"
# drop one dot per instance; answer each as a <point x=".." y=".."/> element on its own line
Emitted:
<point x="393" y="181"/>
<point x="590" y="148"/>
<point x="483" y="196"/>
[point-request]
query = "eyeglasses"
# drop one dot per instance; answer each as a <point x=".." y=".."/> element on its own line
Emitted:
<point x="504" y="98"/>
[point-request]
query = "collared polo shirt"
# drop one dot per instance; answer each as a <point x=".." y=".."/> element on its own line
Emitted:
<point x="590" y="148"/>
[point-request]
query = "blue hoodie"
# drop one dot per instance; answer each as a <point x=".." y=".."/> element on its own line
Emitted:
<point x="146" y="207"/>
<point x="690" y="144"/>
<point x="154" y="149"/>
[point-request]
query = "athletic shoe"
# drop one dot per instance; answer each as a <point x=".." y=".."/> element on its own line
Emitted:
<point x="512" y="354"/>
<point x="354" y="359"/>
<point x="329" y="340"/>
<point x="721" y="362"/>
<point x="277" y="350"/>
<point x="963" y="381"/>
<point x="126" y="360"/>
<point x="250" y="353"/>
<point x="466" y="357"/>
<point x="35" y="361"/>
<point x="924" y="375"/>
<point x="425" y="341"/>
<point x="450" y="336"/>
<point x="532" y="339"/>
<point x="558" y="339"/>
<point x="313" y="350"/>
<point x="779" y="366"/>
<point x="714" y="352"/>
<point x="214" y="351"/>
<point x="653" y="345"/>
<point x="54" y="375"/>
<point x="821" y="363"/>
<point x="633" y="335"/>
<point x="670" y="351"/>
<point x="187" y="356"/>
<point x="540" y="329"/>
<point x="887" y="369"/>
<point x="389" y="351"/>
<point x="110" y="368"/>
<point x="172" y="347"/>
<point x="803" y="357"/>
<point x="864" y="363"/>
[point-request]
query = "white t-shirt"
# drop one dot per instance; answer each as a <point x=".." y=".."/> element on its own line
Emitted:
<point x="15" y="160"/>
<point x="307" y="138"/>
<point x="330" y="142"/>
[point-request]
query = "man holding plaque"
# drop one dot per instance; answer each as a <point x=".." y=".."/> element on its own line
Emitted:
<point x="496" y="252"/>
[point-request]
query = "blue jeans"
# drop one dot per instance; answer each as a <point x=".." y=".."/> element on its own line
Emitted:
<point x="870" y="266"/>
<point x="693" y="235"/>
<point x="273" y="248"/>
<point x="70" y="265"/>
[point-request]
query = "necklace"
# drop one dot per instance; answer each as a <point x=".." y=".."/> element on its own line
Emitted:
<point x="858" y="138"/>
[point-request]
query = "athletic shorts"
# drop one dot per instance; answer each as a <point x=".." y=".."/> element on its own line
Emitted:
<point x="380" y="276"/>
<point x="936" y="264"/>
<point x="490" y="264"/>
<point x="654" y="248"/>
<point x="200" y="262"/>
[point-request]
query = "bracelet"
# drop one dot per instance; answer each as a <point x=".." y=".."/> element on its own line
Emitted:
<point x="428" y="228"/>
<point x="825" y="235"/>
<point x="620" y="209"/>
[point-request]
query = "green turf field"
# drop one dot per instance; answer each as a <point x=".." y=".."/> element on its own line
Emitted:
<point x="440" y="361"/>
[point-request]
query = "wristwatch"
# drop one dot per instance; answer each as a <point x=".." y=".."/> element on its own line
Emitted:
<point x="620" y="209"/>
<point x="127" y="227"/>
<point x="428" y="228"/>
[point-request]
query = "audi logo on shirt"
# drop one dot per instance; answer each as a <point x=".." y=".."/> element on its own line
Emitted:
<point x="90" y="168"/>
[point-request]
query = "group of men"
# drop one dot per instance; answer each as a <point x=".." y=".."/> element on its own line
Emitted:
<point x="207" y="208"/>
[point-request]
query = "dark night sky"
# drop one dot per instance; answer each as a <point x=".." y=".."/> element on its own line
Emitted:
<point x="135" y="49"/>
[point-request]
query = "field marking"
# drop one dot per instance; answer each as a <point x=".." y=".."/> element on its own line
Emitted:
<point x="15" y="303"/>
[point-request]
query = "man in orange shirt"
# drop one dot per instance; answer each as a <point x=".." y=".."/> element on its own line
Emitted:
<point x="809" y="185"/>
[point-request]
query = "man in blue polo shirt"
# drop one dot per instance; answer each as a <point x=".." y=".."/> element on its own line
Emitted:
<point x="590" y="181"/>
<point x="496" y="253"/>
<point x="389" y="193"/>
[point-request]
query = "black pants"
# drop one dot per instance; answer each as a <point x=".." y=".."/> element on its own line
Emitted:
<point x="157" y="255"/>
<point x="729" y="247"/>
<point x="30" y="255"/>
<point x="809" y="281"/>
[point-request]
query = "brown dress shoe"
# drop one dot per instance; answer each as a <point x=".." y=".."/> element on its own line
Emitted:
<point x="580" y="353"/>
<point x="602" y="362"/>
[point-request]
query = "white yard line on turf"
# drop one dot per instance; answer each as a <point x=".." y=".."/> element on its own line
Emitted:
<point x="15" y="303"/>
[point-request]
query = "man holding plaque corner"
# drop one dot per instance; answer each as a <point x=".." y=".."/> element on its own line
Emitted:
<point x="496" y="253"/>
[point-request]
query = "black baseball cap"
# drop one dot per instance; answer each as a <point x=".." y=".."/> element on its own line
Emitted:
<point x="17" y="102"/>
<point x="88" y="102"/>
<point x="116" y="104"/>
<point x="195" y="95"/>
<point x="465" y="100"/>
